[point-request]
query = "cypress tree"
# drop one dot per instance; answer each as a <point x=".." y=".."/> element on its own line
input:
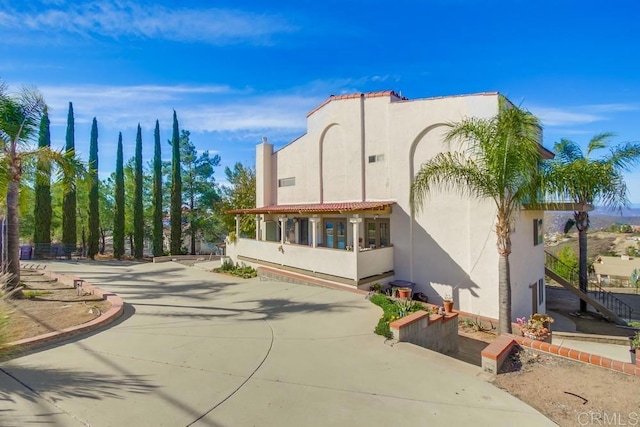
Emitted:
<point x="42" y="209"/>
<point x="118" y="219"/>
<point x="157" y="194"/>
<point x="138" y="219"/>
<point x="69" y="233"/>
<point x="176" y="190"/>
<point x="94" y="213"/>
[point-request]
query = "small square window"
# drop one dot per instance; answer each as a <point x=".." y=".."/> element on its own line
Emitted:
<point x="287" y="182"/>
<point x="376" y="158"/>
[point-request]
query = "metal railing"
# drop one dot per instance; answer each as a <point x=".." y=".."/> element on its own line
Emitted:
<point x="571" y="276"/>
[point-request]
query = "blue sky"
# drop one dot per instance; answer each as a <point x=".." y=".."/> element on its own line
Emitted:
<point x="237" y="71"/>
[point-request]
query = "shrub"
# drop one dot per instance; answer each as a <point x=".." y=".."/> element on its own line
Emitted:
<point x="244" y="271"/>
<point x="392" y="310"/>
<point x="30" y="294"/>
<point x="383" y="328"/>
<point x="376" y="287"/>
<point x="568" y="262"/>
<point x="632" y="251"/>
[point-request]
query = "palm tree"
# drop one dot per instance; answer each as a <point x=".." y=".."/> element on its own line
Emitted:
<point x="499" y="163"/>
<point x="19" y="118"/>
<point x="577" y="177"/>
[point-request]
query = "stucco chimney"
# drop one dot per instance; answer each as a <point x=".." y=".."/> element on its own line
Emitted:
<point x="264" y="191"/>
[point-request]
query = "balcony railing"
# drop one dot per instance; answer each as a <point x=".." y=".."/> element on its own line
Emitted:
<point x="571" y="276"/>
<point x="335" y="262"/>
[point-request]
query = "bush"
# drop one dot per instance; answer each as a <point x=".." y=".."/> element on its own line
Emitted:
<point x="383" y="328"/>
<point x="632" y="251"/>
<point x="244" y="271"/>
<point x="31" y="294"/>
<point x="568" y="262"/>
<point x="392" y="310"/>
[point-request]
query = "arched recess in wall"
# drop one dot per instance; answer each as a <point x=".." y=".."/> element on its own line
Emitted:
<point x="340" y="178"/>
<point x="421" y="137"/>
<point x="320" y="148"/>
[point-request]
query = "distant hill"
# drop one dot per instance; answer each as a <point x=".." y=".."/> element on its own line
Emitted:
<point x="600" y="218"/>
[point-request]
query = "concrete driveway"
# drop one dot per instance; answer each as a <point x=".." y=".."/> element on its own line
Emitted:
<point x="203" y="349"/>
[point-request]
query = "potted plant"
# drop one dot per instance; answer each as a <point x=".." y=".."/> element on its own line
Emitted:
<point x="404" y="292"/>
<point x="538" y="327"/>
<point x="634" y="342"/>
<point x="447" y="303"/>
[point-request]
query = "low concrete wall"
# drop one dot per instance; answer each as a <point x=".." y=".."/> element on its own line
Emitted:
<point x="168" y="258"/>
<point x="495" y="354"/>
<point x="435" y="332"/>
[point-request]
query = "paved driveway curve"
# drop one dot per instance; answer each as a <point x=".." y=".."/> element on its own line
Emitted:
<point x="200" y="349"/>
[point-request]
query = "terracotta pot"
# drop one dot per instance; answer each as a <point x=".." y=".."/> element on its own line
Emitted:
<point x="404" y="293"/>
<point x="448" y="306"/>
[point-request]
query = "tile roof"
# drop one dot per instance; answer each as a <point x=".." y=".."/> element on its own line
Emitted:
<point x="380" y="94"/>
<point x="315" y="208"/>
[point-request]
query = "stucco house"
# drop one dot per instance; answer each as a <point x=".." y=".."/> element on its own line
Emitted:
<point x="334" y="205"/>
<point x="611" y="270"/>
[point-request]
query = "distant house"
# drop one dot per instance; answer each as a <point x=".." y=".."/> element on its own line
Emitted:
<point x="334" y="205"/>
<point x="615" y="269"/>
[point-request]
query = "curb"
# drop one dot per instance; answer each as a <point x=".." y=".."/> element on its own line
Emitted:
<point x="114" y="312"/>
<point x="494" y="355"/>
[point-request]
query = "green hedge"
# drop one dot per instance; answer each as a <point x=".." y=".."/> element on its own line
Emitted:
<point x="392" y="310"/>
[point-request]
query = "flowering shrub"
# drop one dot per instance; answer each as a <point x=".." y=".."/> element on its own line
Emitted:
<point x="536" y="327"/>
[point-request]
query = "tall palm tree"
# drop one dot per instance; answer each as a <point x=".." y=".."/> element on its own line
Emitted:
<point x="578" y="177"/>
<point x="499" y="162"/>
<point x="19" y="121"/>
<point x="19" y="118"/>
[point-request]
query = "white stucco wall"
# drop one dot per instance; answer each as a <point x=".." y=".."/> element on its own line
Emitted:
<point x="527" y="264"/>
<point x="450" y="246"/>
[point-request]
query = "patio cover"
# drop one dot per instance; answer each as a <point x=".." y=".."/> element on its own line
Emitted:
<point x="354" y="207"/>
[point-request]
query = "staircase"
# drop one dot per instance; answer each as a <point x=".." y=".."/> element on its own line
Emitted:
<point x="603" y="301"/>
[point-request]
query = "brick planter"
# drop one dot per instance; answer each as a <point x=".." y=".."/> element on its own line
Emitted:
<point x="435" y="332"/>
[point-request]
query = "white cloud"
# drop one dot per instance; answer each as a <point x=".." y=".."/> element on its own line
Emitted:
<point x="116" y="19"/>
<point x="579" y="115"/>
<point x="558" y="117"/>
<point x="200" y="108"/>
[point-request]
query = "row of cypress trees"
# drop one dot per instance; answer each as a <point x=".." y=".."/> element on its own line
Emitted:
<point x="43" y="209"/>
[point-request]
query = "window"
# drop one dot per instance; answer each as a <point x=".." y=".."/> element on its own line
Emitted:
<point x="290" y="231"/>
<point x="376" y="158"/>
<point x="538" y="234"/>
<point x="287" y="182"/>
<point x="540" y="291"/>
<point x="272" y="231"/>
<point x="377" y="233"/>
<point x="335" y="233"/>
<point x="303" y="226"/>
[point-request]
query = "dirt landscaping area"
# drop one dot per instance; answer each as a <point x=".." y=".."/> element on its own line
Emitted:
<point x="47" y="306"/>
<point x="571" y="393"/>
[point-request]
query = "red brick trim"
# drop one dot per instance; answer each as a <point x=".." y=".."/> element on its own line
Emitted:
<point x="114" y="312"/>
<point x="579" y="356"/>
<point x="498" y="347"/>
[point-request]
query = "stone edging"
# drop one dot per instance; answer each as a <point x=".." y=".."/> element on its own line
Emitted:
<point x="113" y="313"/>
<point x="495" y="353"/>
